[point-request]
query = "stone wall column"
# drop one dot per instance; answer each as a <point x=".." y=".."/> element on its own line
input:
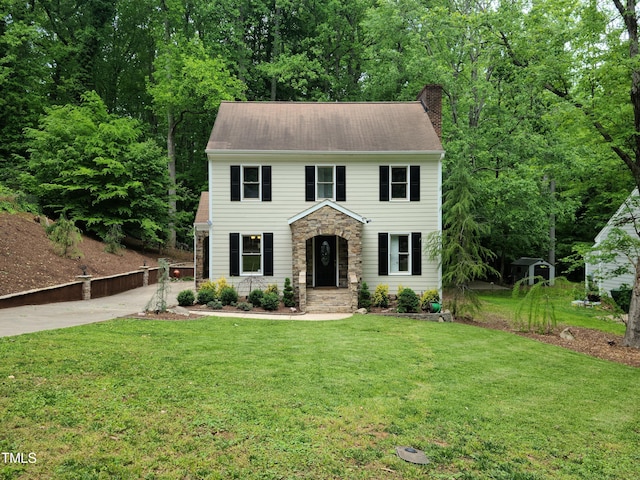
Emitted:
<point x="199" y="273"/>
<point x="145" y="275"/>
<point x="302" y="291"/>
<point x="86" y="286"/>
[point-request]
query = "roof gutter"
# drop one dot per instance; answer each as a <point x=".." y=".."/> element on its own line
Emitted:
<point x="322" y="152"/>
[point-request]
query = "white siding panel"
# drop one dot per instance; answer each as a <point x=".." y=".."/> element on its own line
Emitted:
<point x="288" y="199"/>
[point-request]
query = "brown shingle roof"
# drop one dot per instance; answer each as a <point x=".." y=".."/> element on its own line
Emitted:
<point x="202" y="215"/>
<point x="320" y="127"/>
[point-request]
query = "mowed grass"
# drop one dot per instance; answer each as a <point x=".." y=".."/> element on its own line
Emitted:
<point x="503" y="304"/>
<point x="255" y="399"/>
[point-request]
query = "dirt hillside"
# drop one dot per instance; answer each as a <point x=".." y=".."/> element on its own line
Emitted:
<point x="28" y="261"/>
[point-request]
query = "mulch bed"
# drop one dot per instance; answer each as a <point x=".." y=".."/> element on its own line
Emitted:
<point x="596" y="343"/>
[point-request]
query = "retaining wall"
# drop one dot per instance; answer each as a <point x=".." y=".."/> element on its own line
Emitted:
<point x="100" y="287"/>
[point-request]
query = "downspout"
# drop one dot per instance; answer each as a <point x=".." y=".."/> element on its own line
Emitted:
<point x="195" y="256"/>
<point x="440" y="222"/>
<point x="210" y="221"/>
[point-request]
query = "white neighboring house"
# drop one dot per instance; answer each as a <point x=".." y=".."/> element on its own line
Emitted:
<point x="327" y="194"/>
<point x="602" y="272"/>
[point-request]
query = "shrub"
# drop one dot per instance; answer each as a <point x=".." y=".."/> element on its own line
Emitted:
<point x="428" y="297"/>
<point x="220" y="284"/>
<point x="408" y="301"/>
<point x="270" y="301"/>
<point x="186" y="298"/>
<point x="65" y="236"/>
<point x="113" y="239"/>
<point x="537" y="307"/>
<point x="206" y="295"/>
<point x="215" y="305"/>
<point x="246" y="306"/>
<point x="288" y="297"/>
<point x="622" y="297"/>
<point x="272" y="288"/>
<point x="228" y="295"/>
<point x="209" y="285"/>
<point x="364" y="296"/>
<point x="381" y="296"/>
<point x="255" y="297"/>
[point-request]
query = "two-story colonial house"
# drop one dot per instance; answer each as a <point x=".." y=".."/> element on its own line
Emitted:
<point x="327" y="194"/>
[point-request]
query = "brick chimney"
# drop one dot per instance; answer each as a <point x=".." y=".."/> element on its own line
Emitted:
<point x="431" y="98"/>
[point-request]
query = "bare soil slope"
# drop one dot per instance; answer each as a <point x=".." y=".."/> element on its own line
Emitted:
<point x="28" y="260"/>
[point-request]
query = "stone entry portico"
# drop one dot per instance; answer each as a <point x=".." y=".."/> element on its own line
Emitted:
<point x="326" y="219"/>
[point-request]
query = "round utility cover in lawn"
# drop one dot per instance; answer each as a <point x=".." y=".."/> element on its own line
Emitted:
<point x="412" y="455"/>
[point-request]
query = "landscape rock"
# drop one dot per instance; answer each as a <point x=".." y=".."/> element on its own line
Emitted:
<point x="566" y="334"/>
<point x="179" y="311"/>
<point x="362" y="311"/>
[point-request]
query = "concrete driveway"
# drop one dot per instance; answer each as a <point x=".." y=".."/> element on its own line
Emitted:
<point x="33" y="318"/>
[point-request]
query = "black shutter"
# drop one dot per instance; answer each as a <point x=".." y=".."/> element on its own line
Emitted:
<point x="234" y="254"/>
<point x="266" y="183"/>
<point x="383" y="254"/>
<point x="235" y="183"/>
<point x="267" y="245"/>
<point x="414" y="183"/>
<point x="310" y="183"/>
<point x="416" y="253"/>
<point x="384" y="183"/>
<point x="341" y="184"/>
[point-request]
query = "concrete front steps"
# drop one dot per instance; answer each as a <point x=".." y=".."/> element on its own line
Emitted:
<point x="328" y="300"/>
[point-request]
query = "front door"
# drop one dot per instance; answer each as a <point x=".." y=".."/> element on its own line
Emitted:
<point x="325" y="261"/>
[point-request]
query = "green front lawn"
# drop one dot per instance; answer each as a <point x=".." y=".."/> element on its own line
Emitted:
<point x="501" y="303"/>
<point x="254" y="399"/>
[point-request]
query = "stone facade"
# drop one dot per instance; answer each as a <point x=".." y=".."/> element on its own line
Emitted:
<point x="327" y="221"/>
<point x="202" y="245"/>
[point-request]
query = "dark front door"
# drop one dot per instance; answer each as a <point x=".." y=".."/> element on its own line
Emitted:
<point x="325" y="261"/>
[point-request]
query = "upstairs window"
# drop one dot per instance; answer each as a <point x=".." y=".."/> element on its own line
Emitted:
<point x="251" y="182"/>
<point x="324" y="183"/>
<point x="399" y="183"/>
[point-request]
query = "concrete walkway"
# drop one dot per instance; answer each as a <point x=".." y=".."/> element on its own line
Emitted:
<point x="35" y="318"/>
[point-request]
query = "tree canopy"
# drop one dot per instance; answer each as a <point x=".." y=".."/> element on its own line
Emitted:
<point x="541" y="99"/>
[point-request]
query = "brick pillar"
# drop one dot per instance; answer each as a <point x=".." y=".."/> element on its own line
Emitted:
<point x="431" y="98"/>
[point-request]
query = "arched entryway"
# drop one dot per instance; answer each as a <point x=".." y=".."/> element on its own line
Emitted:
<point x="326" y="250"/>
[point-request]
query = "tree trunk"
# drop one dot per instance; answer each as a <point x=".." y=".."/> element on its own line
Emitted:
<point x="171" y="153"/>
<point x="632" y="333"/>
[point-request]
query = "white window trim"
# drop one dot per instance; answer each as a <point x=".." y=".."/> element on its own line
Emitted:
<point x="251" y="274"/>
<point x="333" y="167"/>
<point x="408" y="272"/>
<point x="398" y="199"/>
<point x="259" y="167"/>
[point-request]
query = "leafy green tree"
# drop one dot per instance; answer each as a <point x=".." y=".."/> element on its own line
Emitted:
<point x="95" y="168"/>
<point x="23" y="82"/>
<point x="188" y="83"/>
<point x="599" y="77"/>
<point x="464" y="258"/>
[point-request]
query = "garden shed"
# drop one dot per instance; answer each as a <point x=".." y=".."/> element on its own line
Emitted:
<point x="531" y="268"/>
